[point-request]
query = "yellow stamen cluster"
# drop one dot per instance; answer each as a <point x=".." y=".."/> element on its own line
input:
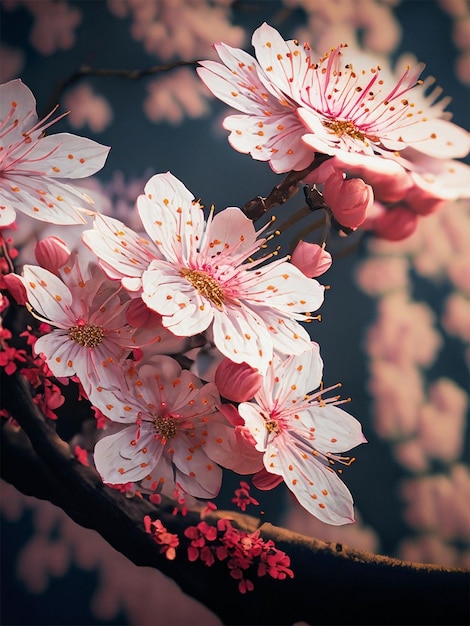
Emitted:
<point x="344" y="127"/>
<point x="206" y="285"/>
<point x="272" y="426"/>
<point x="167" y="427"/>
<point x="87" y="335"/>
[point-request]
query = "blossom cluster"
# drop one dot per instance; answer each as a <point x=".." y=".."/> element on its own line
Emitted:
<point x="245" y="553"/>
<point x="184" y="332"/>
<point x="132" y="314"/>
<point x="392" y="150"/>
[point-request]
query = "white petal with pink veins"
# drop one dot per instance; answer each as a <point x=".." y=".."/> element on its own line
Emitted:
<point x="184" y="311"/>
<point x="436" y="138"/>
<point x="123" y="252"/>
<point x="48" y="296"/>
<point x="317" y="488"/>
<point x="247" y="75"/>
<point x="170" y="217"/>
<point x="16" y="103"/>
<point x="61" y="353"/>
<point x="7" y="215"/>
<point x="335" y="430"/>
<point x="295" y="376"/>
<point x="246" y="136"/>
<point x="241" y="335"/>
<point x="196" y="473"/>
<point x="231" y="233"/>
<point x="62" y="155"/>
<point x="284" y="288"/>
<point x="287" y="335"/>
<point x="283" y="62"/>
<point x="252" y="415"/>
<point x="44" y="199"/>
<point x="123" y="457"/>
<point x="224" y="86"/>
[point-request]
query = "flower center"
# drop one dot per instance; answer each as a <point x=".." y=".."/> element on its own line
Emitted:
<point x="344" y="127"/>
<point x="206" y="285"/>
<point x="86" y="335"/>
<point x="272" y="426"/>
<point x="167" y="427"/>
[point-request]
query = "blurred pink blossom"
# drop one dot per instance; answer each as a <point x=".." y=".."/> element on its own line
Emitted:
<point x="441" y="421"/>
<point x="54" y="23"/>
<point x="459" y="10"/>
<point x="178" y="28"/>
<point x="12" y="63"/>
<point x="431" y="549"/>
<point x="440" y="428"/>
<point x="404" y="332"/>
<point x="142" y="594"/>
<point x="398" y="394"/>
<point x="330" y="22"/>
<point x="439" y="503"/>
<point x="456" y="318"/>
<point x="88" y="109"/>
<point x="379" y="275"/>
<point x="174" y="97"/>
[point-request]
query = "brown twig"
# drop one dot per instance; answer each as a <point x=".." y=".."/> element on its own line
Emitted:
<point x="281" y="193"/>
<point x="86" y="70"/>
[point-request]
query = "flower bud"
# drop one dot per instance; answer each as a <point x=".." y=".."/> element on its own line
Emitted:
<point x="311" y="259"/>
<point x="395" y="224"/>
<point x="237" y="382"/>
<point x="52" y="253"/>
<point x="348" y="199"/>
<point x="15" y="287"/>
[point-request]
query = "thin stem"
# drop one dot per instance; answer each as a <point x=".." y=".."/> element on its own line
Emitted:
<point x="281" y="193"/>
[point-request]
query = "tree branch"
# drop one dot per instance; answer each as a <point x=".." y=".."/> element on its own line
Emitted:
<point x="332" y="584"/>
<point x="86" y="70"/>
<point x="281" y="193"/>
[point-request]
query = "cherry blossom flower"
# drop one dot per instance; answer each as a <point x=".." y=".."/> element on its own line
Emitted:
<point x="33" y="166"/>
<point x="90" y="335"/>
<point x="174" y="436"/>
<point x="301" y="435"/>
<point x="332" y="104"/>
<point x="269" y="129"/>
<point x="200" y="278"/>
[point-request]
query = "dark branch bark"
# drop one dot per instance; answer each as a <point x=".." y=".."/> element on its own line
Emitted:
<point x="281" y="193"/>
<point x="332" y="584"/>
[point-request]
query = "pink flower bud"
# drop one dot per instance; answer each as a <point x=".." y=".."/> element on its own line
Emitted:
<point x="311" y="259"/>
<point x="237" y="382"/>
<point x="16" y="288"/>
<point x="395" y="224"/>
<point x="52" y="253"/>
<point x="422" y="201"/>
<point x="348" y="199"/>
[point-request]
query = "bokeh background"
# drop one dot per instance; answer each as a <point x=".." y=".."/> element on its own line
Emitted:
<point x="396" y="320"/>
